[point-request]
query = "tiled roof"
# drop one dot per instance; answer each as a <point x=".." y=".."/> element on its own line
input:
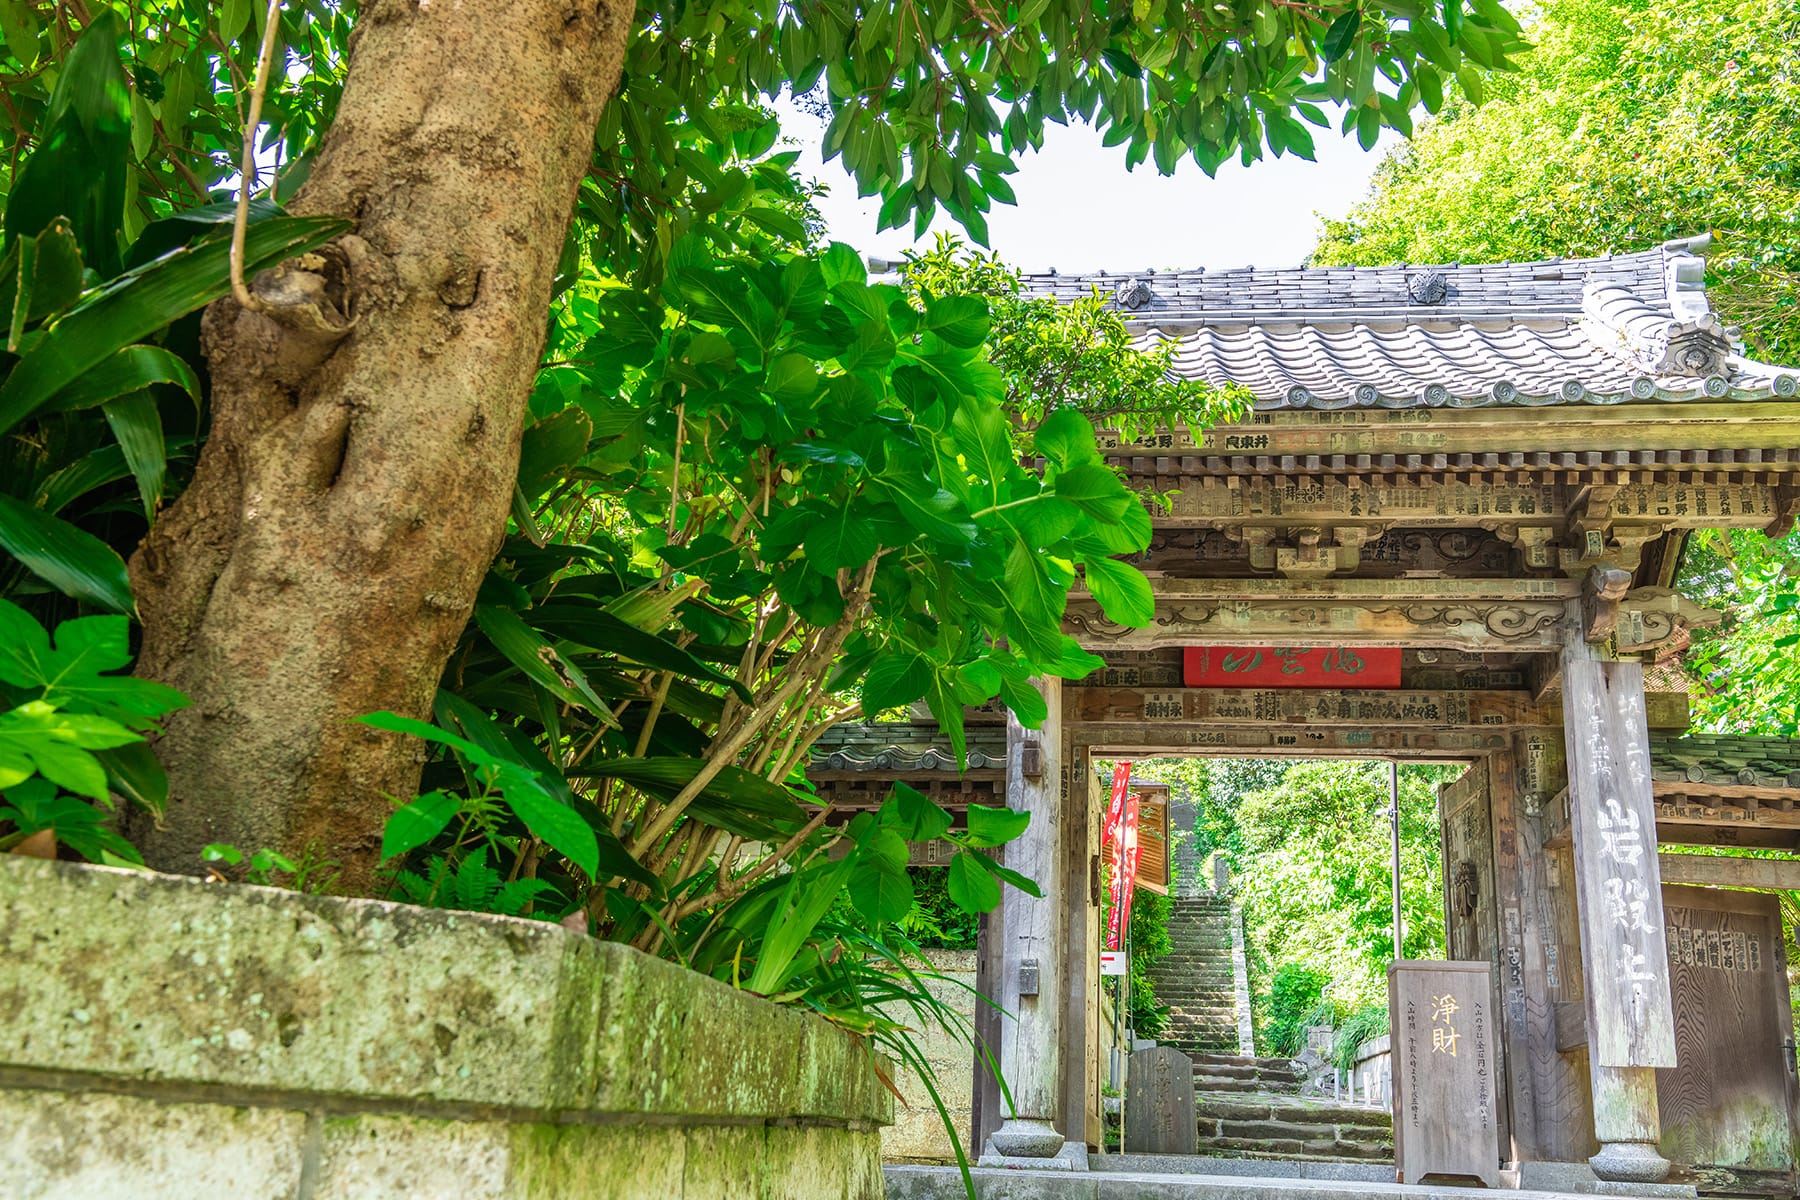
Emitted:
<point x="1617" y="329"/>
<point x="1723" y="759"/>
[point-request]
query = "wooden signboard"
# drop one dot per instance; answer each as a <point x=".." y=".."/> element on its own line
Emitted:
<point x="1727" y="1107"/>
<point x="1445" y="1071"/>
<point x="1291" y="667"/>
<point x="1153" y="838"/>
<point x="1159" y="1103"/>
<point x="1612" y="819"/>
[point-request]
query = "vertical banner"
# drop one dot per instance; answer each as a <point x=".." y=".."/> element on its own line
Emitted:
<point x="1125" y="864"/>
<point x="1112" y="845"/>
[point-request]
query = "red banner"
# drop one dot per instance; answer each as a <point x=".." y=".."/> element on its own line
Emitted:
<point x="1125" y="864"/>
<point x="1293" y="667"/>
<point x="1115" y="808"/>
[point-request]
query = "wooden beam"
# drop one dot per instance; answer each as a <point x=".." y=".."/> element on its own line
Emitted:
<point x="1482" y="625"/>
<point x="1712" y="870"/>
<point x="1571" y="1025"/>
<point x="1172" y="738"/>
<point x="1306" y="706"/>
<point x="1362" y="591"/>
<point x="1574" y="428"/>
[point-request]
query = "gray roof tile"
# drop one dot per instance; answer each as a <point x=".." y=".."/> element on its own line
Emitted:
<point x="1617" y="329"/>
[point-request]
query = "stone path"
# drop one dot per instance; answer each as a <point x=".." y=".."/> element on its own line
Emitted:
<point x="1195" y="978"/>
<point x="1251" y="1108"/>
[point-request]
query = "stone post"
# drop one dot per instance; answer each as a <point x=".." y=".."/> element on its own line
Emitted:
<point x="1032" y="985"/>
<point x="1618" y="891"/>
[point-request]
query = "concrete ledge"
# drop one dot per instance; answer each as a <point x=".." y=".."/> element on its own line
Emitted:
<point x="943" y="1183"/>
<point x="242" y="1034"/>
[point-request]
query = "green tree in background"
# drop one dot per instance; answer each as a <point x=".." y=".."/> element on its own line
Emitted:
<point x="1631" y="122"/>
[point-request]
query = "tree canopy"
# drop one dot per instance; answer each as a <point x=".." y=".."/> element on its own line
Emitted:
<point x="1629" y="123"/>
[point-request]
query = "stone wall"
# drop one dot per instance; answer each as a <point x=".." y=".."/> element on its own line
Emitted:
<point x="163" y="1038"/>
<point x="918" y="1134"/>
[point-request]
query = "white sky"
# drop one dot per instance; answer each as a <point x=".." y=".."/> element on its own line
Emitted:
<point x="1080" y="210"/>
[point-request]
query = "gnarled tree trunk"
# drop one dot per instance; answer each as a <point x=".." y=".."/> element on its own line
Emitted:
<point x="356" y="485"/>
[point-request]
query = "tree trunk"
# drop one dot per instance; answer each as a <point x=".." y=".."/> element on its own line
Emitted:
<point x="355" y="486"/>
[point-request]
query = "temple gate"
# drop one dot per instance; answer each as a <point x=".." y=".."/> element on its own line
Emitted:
<point x="1472" y="484"/>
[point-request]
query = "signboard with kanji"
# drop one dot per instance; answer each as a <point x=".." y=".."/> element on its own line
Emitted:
<point x="1445" y="1072"/>
<point x="1292" y="667"/>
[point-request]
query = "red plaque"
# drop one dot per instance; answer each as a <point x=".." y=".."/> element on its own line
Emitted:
<point x="1294" y="667"/>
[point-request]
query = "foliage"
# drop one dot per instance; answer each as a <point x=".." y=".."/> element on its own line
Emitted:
<point x="72" y="733"/>
<point x="1745" y="672"/>
<point x="1361" y="1024"/>
<point x="1630" y="123"/>
<point x="87" y="386"/>
<point x="1296" y="990"/>
<point x="1149" y="945"/>
<point x="936" y="921"/>
<point x="1069" y="354"/>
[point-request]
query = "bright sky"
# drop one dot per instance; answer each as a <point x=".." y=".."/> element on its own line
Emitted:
<point x="1080" y="210"/>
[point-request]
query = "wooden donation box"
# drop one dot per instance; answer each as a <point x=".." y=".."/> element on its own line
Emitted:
<point x="1445" y="1122"/>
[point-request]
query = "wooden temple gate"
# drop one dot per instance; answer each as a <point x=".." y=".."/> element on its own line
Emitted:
<point x="1492" y="470"/>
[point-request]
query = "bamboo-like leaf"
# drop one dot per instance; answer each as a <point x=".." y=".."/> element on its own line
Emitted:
<point x="541" y="662"/>
<point x="131" y="369"/>
<point x="138" y="427"/>
<point x="70" y="560"/>
<point x="140" y="302"/>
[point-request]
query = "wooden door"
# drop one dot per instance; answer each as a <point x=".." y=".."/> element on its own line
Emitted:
<point x="1728" y="1105"/>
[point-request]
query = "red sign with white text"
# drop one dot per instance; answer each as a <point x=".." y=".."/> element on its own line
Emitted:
<point x="1292" y="667"/>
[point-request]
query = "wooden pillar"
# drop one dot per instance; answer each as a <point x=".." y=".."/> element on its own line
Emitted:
<point x="1033" y="983"/>
<point x="1081" y="811"/>
<point x="1618" y="889"/>
<point x="1547" y="1091"/>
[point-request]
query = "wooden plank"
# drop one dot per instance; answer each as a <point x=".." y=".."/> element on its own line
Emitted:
<point x="1712" y="870"/>
<point x="1081" y="809"/>
<point x="1520" y="626"/>
<point x="1142" y="739"/>
<point x="1355" y="591"/>
<point x="1631" y="1021"/>
<point x="1571" y="1026"/>
<point x="1400" y="708"/>
<point x="1726" y="1109"/>
<point x="1283" y="706"/>
<point x="1153" y="839"/>
<point x="1725" y="793"/>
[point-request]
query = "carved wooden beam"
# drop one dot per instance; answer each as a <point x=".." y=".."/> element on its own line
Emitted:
<point x="1172" y="738"/>
<point x="1525" y="625"/>
<point x="1306" y="706"/>
<point x="1659" y="619"/>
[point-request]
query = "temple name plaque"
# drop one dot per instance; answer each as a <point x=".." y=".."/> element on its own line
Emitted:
<point x="1445" y="1072"/>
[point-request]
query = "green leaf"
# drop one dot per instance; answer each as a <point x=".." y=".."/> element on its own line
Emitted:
<point x="558" y="826"/>
<point x="131" y="370"/>
<point x="414" y="824"/>
<point x="1066" y="439"/>
<point x="971" y="887"/>
<point x="1122" y="591"/>
<point x="37" y="739"/>
<point x="78" y="168"/>
<point x="879" y="886"/>
<point x="1341" y="35"/>
<point x="1096" y="490"/>
<point x="895" y="679"/>
<point x="962" y="321"/>
<point x="995" y="826"/>
<point x="71" y="674"/>
<point x="137" y="425"/>
<point x="550" y="447"/>
<point x="1007" y="875"/>
<point x="845" y="538"/>
<point x="77" y="564"/>
<point x="736" y="800"/>
<point x="541" y="662"/>
<point x="804" y="901"/>
<point x="913" y="815"/>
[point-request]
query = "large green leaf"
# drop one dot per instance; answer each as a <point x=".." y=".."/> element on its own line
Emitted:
<point x="971" y="886"/>
<point x="559" y="826"/>
<point x="601" y="631"/>
<point x="38" y="276"/>
<point x="75" y="563"/>
<point x="734" y="800"/>
<point x="72" y="673"/>
<point x="541" y="662"/>
<point x="78" y="168"/>
<point x="412" y="825"/>
<point x="879" y="886"/>
<point x="36" y="738"/>
<point x="995" y="826"/>
<point x="1122" y="591"/>
<point x="142" y="301"/>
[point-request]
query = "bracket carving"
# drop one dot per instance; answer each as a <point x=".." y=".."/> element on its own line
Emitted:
<point x="1305" y="551"/>
<point x="1660" y="620"/>
<point x="1601" y="593"/>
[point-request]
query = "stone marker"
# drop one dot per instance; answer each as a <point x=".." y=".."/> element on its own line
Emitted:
<point x="1444" y="1071"/>
<point x="1159" y="1103"/>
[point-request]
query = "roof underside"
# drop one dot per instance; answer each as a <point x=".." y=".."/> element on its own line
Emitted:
<point x="1617" y="329"/>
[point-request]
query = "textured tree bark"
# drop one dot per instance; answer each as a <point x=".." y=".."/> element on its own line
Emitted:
<point x="355" y="486"/>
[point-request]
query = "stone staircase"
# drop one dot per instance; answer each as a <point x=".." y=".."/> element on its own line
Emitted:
<point x="1252" y="1108"/>
<point x="1195" y="979"/>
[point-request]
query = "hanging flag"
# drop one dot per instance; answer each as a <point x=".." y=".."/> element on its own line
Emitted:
<point x="1115" y="809"/>
<point x="1125" y="864"/>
